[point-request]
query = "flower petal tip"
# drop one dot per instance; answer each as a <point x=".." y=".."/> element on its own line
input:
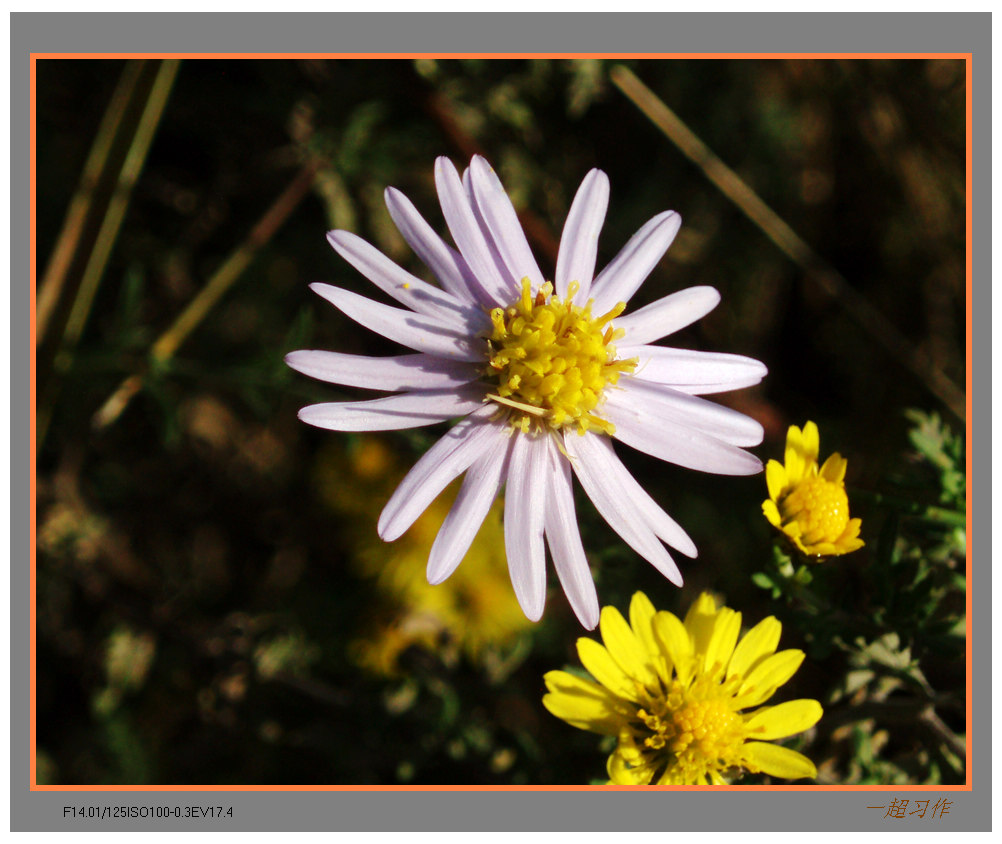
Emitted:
<point x="708" y="294"/>
<point x="443" y="162"/>
<point x="749" y="465"/>
<point x="534" y="614"/>
<point x="308" y="415"/>
<point x="320" y="287"/>
<point x="435" y="578"/>
<point x="383" y="533"/>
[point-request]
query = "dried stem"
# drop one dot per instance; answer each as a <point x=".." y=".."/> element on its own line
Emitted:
<point x="199" y="307"/>
<point x="776" y="229"/>
<point x="51" y="287"/>
<point x="111" y="224"/>
<point x="98" y="179"/>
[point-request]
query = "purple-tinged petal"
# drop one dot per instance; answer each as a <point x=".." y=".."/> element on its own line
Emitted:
<point x="430" y="335"/>
<point x="502" y="222"/>
<point x="449" y="267"/>
<point x="691" y="371"/>
<point x="393" y="374"/>
<point x="480" y="487"/>
<point x="627" y="271"/>
<point x="667" y="315"/>
<point x="663" y="525"/>
<point x="649" y="431"/>
<point x="524" y="513"/>
<point x="394" y="413"/>
<point x="723" y="387"/>
<point x="613" y="504"/>
<point x="452" y="455"/>
<point x="407" y="289"/>
<point x="664" y="402"/>
<point x="492" y="248"/>
<point x="579" y="239"/>
<point x="564" y="539"/>
<point x="459" y="215"/>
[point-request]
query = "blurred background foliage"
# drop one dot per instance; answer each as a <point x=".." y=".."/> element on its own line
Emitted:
<point x="213" y="604"/>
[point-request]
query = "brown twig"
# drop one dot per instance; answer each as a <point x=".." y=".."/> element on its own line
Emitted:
<point x="102" y="191"/>
<point x="132" y="166"/>
<point x="50" y="288"/>
<point x="775" y="228"/>
<point x="168" y="342"/>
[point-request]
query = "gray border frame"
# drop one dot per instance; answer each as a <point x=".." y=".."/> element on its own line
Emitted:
<point x="592" y="810"/>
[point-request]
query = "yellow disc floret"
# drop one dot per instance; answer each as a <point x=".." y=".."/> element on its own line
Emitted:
<point x="820" y="507"/>
<point x="687" y="734"/>
<point x="549" y="360"/>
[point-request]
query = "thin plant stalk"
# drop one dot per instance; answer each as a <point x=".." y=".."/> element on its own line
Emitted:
<point x="111" y="223"/>
<point x="132" y="166"/>
<point x="792" y="245"/>
<point x="220" y="282"/>
<point x="51" y="287"/>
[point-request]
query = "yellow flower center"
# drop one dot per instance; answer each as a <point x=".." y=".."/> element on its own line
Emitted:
<point x="691" y="734"/>
<point x="819" y="507"/>
<point x="550" y="360"/>
<point x="704" y="727"/>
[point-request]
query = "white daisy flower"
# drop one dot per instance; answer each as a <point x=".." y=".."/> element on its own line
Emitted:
<point x="543" y="376"/>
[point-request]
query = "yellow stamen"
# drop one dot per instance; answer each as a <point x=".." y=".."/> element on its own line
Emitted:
<point x="689" y="731"/>
<point x="819" y="508"/>
<point x="551" y="360"/>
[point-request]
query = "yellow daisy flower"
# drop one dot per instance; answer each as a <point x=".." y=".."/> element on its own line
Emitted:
<point x="809" y="504"/>
<point x="474" y="609"/>
<point x="684" y="698"/>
